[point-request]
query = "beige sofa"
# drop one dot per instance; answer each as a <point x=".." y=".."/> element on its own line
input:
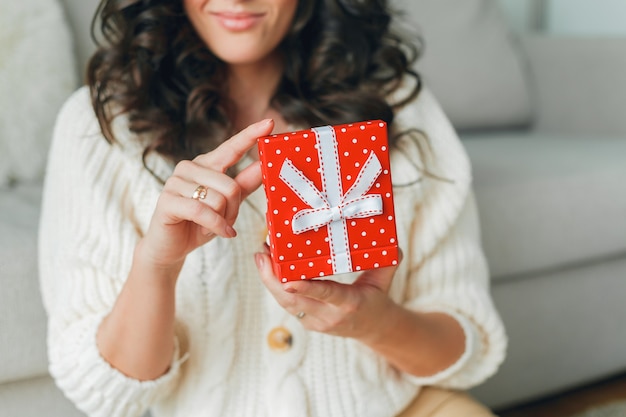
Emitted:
<point x="542" y="119"/>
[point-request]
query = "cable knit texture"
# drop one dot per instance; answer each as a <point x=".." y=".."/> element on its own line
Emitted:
<point x="98" y="201"/>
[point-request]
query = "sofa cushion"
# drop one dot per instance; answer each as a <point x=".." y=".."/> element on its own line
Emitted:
<point x="22" y="317"/>
<point x="471" y="62"/>
<point x="37" y="73"/>
<point x="548" y="201"/>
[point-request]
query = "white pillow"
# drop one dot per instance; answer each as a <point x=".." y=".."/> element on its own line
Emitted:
<point x="37" y="74"/>
<point x="470" y="62"/>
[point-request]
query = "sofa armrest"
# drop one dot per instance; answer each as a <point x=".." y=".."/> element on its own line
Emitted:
<point x="580" y="83"/>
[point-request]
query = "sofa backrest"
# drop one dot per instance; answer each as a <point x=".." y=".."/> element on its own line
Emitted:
<point x="471" y="61"/>
<point x="37" y="73"/>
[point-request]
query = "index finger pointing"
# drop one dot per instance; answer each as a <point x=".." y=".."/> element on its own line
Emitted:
<point x="233" y="149"/>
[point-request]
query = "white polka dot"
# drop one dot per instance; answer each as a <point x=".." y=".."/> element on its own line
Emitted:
<point x="355" y="246"/>
<point x="297" y="149"/>
<point x="362" y="127"/>
<point x="365" y="151"/>
<point x="284" y="199"/>
<point x="354" y="140"/>
<point x="343" y="129"/>
<point x="275" y="211"/>
<point x="356" y="164"/>
<point x="384" y="148"/>
<point x="302" y="276"/>
<point x="308" y="159"/>
<point x="382" y="231"/>
<point x="374" y="243"/>
<point x="392" y="240"/>
<point x="284" y="279"/>
<point x="364" y="233"/>
<point x="388" y="195"/>
<point x="300" y="255"/>
<point x="366" y="255"/>
<point x="381" y="124"/>
<point x="308" y="242"/>
<point x="346" y="154"/>
<point x="292" y="267"/>
<point x="311" y="264"/>
<point x="321" y="274"/>
<point x="279" y="234"/>
<point x="319" y="252"/>
<point x="348" y="177"/>
<point x="377" y="185"/>
<point x="352" y="223"/>
<point x="386" y="172"/>
<point x="286" y="138"/>
<point x="294" y="209"/>
<point x="317" y="146"/>
<point x="286" y="222"/>
<point x="358" y="268"/>
<point x="267" y="141"/>
<point x="278" y="151"/>
<point x="372" y="221"/>
<point x="376" y="265"/>
<point x="384" y="253"/>
<point x="373" y="137"/>
<point x="394" y="263"/>
<point x="281" y="258"/>
<point x="390" y="218"/>
<point x="272" y="188"/>
<point x="326" y="239"/>
<point x="329" y="262"/>
<point x="317" y="229"/>
<point x="306" y="135"/>
<point x="290" y="245"/>
<point x="319" y="170"/>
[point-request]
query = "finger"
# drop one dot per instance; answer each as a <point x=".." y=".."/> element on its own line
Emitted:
<point x="325" y="291"/>
<point x="264" y="265"/>
<point x="380" y="278"/>
<point x="221" y="183"/>
<point x="184" y="188"/>
<point x="249" y="179"/>
<point x="187" y="209"/>
<point x="290" y="301"/>
<point x="232" y="150"/>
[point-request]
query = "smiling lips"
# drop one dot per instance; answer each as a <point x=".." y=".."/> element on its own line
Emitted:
<point x="238" y="21"/>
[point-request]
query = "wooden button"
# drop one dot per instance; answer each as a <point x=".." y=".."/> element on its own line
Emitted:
<point x="279" y="339"/>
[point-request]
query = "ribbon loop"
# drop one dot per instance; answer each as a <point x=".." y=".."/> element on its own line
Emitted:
<point x="354" y="204"/>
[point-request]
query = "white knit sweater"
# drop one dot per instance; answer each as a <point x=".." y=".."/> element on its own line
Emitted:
<point x="98" y="201"/>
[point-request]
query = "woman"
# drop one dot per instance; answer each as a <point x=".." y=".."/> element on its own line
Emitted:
<point x="162" y="298"/>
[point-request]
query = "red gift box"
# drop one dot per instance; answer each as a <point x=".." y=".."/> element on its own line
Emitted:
<point x="330" y="200"/>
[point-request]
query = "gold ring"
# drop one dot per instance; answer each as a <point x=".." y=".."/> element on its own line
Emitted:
<point x="300" y="315"/>
<point x="200" y="193"/>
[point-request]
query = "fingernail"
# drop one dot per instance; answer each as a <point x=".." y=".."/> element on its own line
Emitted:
<point x="230" y="231"/>
<point x="258" y="258"/>
<point x="290" y="290"/>
<point x="266" y="122"/>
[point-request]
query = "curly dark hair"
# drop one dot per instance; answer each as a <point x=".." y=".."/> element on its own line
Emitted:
<point x="343" y="62"/>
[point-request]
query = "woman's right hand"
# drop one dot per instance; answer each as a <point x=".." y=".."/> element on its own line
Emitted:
<point x="181" y="223"/>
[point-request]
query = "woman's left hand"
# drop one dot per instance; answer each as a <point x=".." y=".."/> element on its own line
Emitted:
<point x="359" y="311"/>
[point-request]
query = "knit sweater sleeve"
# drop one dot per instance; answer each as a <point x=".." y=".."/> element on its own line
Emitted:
<point x="88" y="231"/>
<point x="447" y="270"/>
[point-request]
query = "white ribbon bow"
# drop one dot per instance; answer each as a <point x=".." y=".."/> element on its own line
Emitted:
<point x="354" y="204"/>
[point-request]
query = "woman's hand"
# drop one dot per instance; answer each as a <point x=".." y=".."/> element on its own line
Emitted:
<point x="181" y="223"/>
<point x="420" y="344"/>
<point x="360" y="310"/>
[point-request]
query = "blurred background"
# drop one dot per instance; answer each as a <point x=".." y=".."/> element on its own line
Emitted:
<point x="537" y="92"/>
